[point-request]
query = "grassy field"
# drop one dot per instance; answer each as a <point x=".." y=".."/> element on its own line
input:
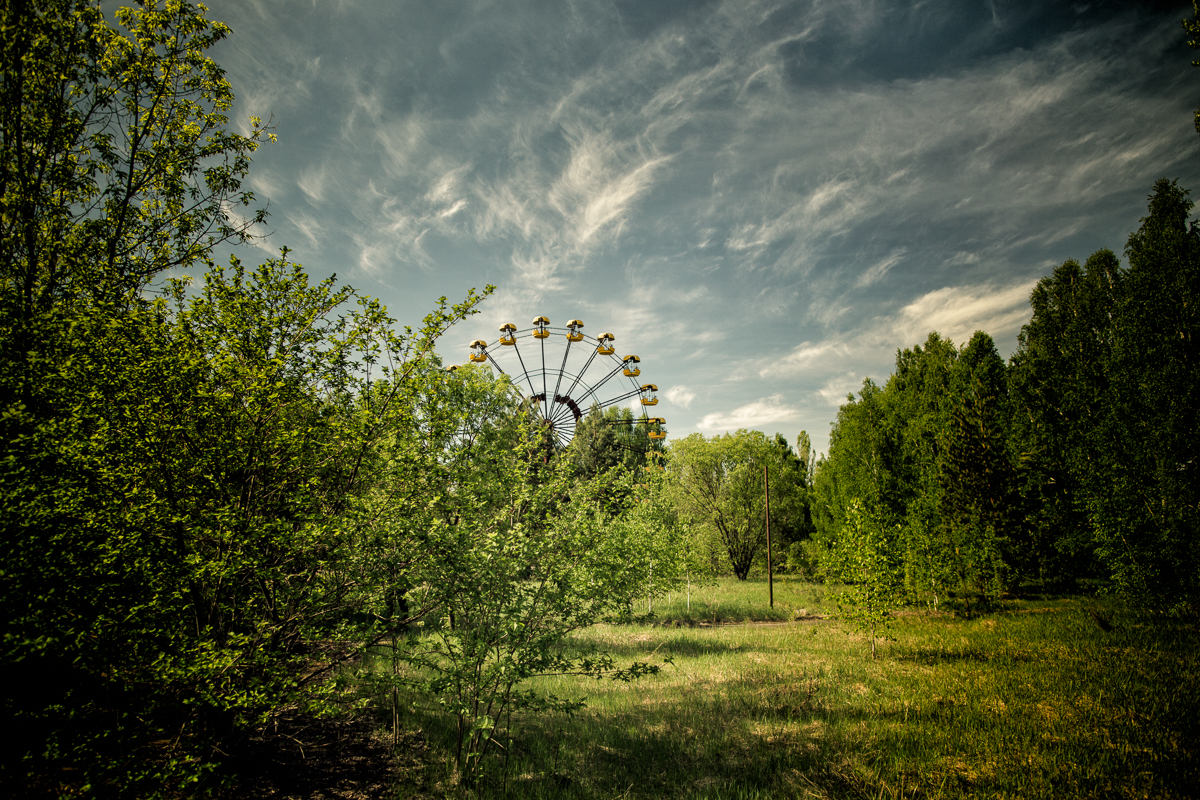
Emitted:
<point x="1036" y="700"/>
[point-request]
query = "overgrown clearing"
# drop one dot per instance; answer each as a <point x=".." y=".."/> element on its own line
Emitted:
<point x="1035" y="700"/>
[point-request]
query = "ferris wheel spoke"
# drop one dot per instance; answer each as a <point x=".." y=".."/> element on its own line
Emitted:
<point x="594" y="389"/>
<point x="582" y="372"/>
<point x="562" y="413"/>
<point x="524" y="371"/>
<point x="562" y="368"/>
<point x="496" y="365"/>
<point x="625" y="396"/>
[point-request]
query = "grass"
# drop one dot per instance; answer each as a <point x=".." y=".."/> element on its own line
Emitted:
<point x="1036" y="700"/>
<point x="732" y="600"/>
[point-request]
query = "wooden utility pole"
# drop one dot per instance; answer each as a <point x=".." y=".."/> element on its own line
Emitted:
<point x="770" y="576"/>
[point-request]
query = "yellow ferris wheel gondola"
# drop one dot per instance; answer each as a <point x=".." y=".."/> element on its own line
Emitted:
<point x="632" y="370"/>
<point x="508" y="334"/>
<point x="573" y="334"/>
<point x="648" y="396"/>
<point x="656" y="432"/>
<point x="479" y="351"/>
<point x="606" y="347"/>
<point x="540" y="327"/>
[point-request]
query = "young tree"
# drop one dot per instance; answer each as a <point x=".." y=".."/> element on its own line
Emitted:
<point x="864" y="453"/>
<point x="521" y="553"/>
<point x="867" y="560"/>
<point x="915" y="402"/>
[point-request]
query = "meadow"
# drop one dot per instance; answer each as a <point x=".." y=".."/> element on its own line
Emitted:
<point x="1045" y="697"/>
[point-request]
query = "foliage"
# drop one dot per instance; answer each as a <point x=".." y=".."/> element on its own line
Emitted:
<point x="1103" y="386"/>
<point x="115" y="163"/>
<point x="605" y="438"/>
<point x="1057" y="382"/>
<point x="180" y="515"/>
<point x="860" y="466"/>
<point x="867" y="560"/>
<point x="1146" y="495"/>
<point x="520" y="553"/>
<point x="978" y="484"/>
<point x="718" y="485"/>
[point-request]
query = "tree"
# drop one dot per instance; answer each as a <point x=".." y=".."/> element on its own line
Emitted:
<point x="1146" y="493"/>
<point x="915" y="400"/>
<point x="864" y="453"/>
<point x="867" y="560"/>
<point x="185" y="523"/>
<point x="1059" y="386"/>
<point x="114" y="165"/>
<point x="180" y="478"/>
<point x="520" y="552"/>
<point x="981" y="533"/>
<point x="718" y="484"/>
<point x="115" y="162"/>
<point x="607" y="437"/>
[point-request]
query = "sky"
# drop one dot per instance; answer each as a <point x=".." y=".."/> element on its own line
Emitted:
<point x="762" y="200"/>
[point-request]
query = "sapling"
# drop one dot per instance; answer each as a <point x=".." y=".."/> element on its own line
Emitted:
<point x="869" y="566"/>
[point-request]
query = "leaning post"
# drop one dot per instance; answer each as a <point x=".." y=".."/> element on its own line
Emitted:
<point x="770" y="576"/>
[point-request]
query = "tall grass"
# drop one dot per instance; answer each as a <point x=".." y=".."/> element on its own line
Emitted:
<point x="1034" y="701"/>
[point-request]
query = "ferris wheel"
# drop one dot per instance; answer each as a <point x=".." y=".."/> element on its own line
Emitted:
<point x="562" y="373"/>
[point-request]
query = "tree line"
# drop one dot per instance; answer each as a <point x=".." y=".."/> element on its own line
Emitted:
<point x="1075" y="461"/>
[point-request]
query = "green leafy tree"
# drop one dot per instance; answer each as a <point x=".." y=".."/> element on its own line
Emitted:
<point x="864" y="454"/>
<point x="187" y="517"/>
<point x="915" y="401"/>
<point x="718" y="484"/>
<point x="978" y="482"/>
<point x="1059" y="386"/>
<point x="1145" y="494"/>
<point x="115" y="161"/>
<point x="868" y="560"/>
<point x="605" y="438"/>
<point x="520" y="553"/>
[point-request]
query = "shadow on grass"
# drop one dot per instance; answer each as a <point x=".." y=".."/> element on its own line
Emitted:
<point x="688" y="752"/>
<point x="930" y="656"/>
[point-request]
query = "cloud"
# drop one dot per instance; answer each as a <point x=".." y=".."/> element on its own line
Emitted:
<point x="312" y="183"/>
<point x="835" y="391"/>
<point x="876" y="272"/>
<point x="765" y="411"/>
<point x="761" y="197"/>
<point x="955" y="312"/>
<point x="680" y="395"/>
<point x="807" y="356"/>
